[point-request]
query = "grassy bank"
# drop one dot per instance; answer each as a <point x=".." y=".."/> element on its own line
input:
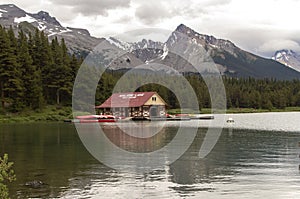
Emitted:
<point x="48" y="114"/>
<point x="58" y="114"/>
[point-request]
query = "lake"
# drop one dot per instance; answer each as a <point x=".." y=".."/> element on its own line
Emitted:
<point x="255" y="157"/>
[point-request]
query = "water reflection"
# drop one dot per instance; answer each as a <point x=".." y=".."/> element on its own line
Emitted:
<point x="243" y="164"/>
<point x="154" y="136"/>
<point x="51" y="153"/>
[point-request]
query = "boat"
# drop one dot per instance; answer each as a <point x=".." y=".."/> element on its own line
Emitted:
<point x="169" y="118"/>
<point x="178" y="117"/>
<point x="208" y="117"/>
<point x="202" y="117"/>
<point x="93" y="119"/>
<point x="230" y="120"/>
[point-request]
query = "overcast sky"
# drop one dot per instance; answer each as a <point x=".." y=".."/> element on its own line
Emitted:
<point x="259" y="26"/>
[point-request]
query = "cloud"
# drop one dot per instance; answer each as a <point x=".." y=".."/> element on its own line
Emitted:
<point x="149" y="12"/>
<point x="123" y="19"/>
<point x="156" y="11"/>
<point x="92" y="7"/>
<point x="261" y="41"/>
<point x="261" y="27"/>
<point x="215" y="2"/>
<point x="274" y="45"/>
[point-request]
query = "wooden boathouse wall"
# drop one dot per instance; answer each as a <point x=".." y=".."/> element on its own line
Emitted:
<point x="152" y="105"/>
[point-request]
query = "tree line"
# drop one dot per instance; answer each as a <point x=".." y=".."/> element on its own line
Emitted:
<point x="35" y="72"/>
<point x="253" y="93"/>
<point x="240" y="92"/>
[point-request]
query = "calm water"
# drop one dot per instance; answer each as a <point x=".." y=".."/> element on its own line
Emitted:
<point x="256" y="157"/>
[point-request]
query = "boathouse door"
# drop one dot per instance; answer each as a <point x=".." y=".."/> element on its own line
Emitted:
<point x="153" y="111"/>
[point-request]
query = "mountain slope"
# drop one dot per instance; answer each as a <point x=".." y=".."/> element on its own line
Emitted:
<point x="288" y="58"/>
<point x="79" y="41"/>
<point x="237" y="62"/>
<point x="230" y="59"/>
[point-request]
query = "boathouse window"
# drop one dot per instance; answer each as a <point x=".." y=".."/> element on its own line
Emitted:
<point x="154" y="99"/>
<point x="146" y="108"/>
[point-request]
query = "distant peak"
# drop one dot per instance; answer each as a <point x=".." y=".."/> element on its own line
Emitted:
<point x="10" y="6"/>
<point x="45" y="16"/>
<point x="285" y="51"/>
<point x="13" y="10"/>
<point x="43" y="13"/>
<point x="182" y="28"/>
<point x="181" y="25"/>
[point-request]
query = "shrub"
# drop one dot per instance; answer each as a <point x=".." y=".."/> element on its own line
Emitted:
<point x="6" y="175"/>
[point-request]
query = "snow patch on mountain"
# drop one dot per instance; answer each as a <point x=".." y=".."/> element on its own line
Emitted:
<point x="289" y="58"/>
<point x="118" y="43"/>
<point x="41" y="26"/>
<point x="27" y="18"/>
<point x="59" y="31"/>
<point x="166" y="52"/>
<point x="1" y="10"/>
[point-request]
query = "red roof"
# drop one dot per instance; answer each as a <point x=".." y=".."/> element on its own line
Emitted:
<point x="130" y="99"/>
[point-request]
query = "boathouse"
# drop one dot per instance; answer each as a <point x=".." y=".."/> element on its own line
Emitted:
<point x="134" y="104"/>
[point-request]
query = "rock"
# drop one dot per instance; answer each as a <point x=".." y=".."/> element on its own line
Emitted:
<point x="35" y="184"/>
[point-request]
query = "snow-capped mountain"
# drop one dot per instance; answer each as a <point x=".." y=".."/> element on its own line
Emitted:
<point x="230" y="59"/>
<point x="78" y="40"/>
<point x="288" y="58"/>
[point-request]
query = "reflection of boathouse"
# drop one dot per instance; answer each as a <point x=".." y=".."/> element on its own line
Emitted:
<point x="134" y="104"/>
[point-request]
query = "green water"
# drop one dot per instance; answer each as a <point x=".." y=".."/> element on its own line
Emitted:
<point x="243" y="164"/>
<point x="51" y="153"/>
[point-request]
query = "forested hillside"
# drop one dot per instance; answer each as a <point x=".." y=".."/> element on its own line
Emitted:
<point x="240" y="93"/>
<point x="33" y="71"/>
<point x="36" y="72"/>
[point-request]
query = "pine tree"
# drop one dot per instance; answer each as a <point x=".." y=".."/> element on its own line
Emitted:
<point x="41" y="54"/>
<point x="61" y="83"/>
<point x="30" y="75"/>
<point x="11" y="88"/>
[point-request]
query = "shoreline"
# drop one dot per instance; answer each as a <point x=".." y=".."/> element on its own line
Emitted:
<point x="58" y="114"/>
<point x="236" y="110"/>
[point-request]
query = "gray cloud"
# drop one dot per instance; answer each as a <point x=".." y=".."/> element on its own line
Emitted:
<point x="265" y="42"/>
<point x="261" y="31"/>
<point x="150" y="12"/>
<point x="271" y="46"/>
<point x="123" y="19"/>
<point x="216" y="2"/>
<point x="92" y="7"/>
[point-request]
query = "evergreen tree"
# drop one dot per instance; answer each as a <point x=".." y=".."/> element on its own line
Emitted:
<point x="11" y="88"/>
<point x="30" y="75"/>
<point x="61" y="83"/>
<point x="42" y="59"/>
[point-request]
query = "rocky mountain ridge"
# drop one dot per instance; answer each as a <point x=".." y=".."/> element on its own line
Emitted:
<point x="78" y="40"/>
<point x="230" y="59"/>
<point x="289" y="58"/>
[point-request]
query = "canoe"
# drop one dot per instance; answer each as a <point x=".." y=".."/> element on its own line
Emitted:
<point x="93" y="119"/>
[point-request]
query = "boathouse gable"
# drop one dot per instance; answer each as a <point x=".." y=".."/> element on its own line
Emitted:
<point x="155" y="99"/>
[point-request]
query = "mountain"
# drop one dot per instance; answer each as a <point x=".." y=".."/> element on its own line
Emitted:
<point x="288" y="58"/>
<point x="78" y="40"/>
<point x="229" y="58"/>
